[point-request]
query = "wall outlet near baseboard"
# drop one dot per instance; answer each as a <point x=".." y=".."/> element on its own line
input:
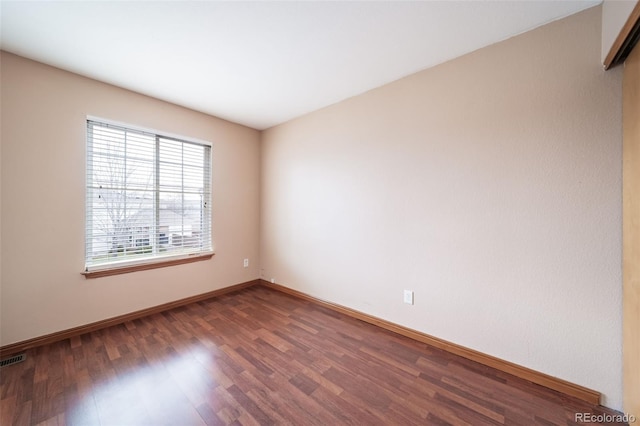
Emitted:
<point x="408" y="297"/>
<point x="273" y="280"/>
<point x="246" y="263"/>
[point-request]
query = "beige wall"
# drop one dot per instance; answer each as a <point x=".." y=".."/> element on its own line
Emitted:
<point x="490" y="185"/>
<point x="43" y="174"/>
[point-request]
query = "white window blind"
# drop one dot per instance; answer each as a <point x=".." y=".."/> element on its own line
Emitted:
<point x="148" y="197"/>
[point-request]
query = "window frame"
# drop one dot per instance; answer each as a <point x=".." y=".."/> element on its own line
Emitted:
<point x="154" y="261"/>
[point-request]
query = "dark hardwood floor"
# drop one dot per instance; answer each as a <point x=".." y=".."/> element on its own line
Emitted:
<point x="260" y="357"/>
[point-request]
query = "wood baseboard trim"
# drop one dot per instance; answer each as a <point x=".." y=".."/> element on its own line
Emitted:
<point x="525" y="373"/>
<point x="87" y="328"/>
<point x="567" y="388"/>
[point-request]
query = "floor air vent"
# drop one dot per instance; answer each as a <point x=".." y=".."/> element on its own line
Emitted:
<point x="13" y="360"/>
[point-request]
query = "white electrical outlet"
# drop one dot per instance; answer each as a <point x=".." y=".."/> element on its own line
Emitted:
<point x="246" y="263"/>
<point x="408" y="297"/>
<point x="273" y="280"/>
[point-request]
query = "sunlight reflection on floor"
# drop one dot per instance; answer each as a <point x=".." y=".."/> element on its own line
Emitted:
<point x="164" y="391"/>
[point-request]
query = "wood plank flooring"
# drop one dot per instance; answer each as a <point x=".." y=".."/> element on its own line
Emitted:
<point x="260" y="357"/>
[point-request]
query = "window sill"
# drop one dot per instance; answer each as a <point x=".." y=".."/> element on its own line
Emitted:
<point x="145" y="266"/>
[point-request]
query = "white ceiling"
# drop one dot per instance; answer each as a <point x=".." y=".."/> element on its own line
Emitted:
<point x="261" y="63"/>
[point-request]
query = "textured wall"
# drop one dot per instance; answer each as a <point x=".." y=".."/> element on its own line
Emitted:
<point x="43" y="173"/>
<point x="490" y="185"/>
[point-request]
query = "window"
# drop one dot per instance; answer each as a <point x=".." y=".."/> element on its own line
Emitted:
<point x="148" y="198"/>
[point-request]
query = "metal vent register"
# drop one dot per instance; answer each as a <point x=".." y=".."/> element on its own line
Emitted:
<point x="13" y="360"/>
